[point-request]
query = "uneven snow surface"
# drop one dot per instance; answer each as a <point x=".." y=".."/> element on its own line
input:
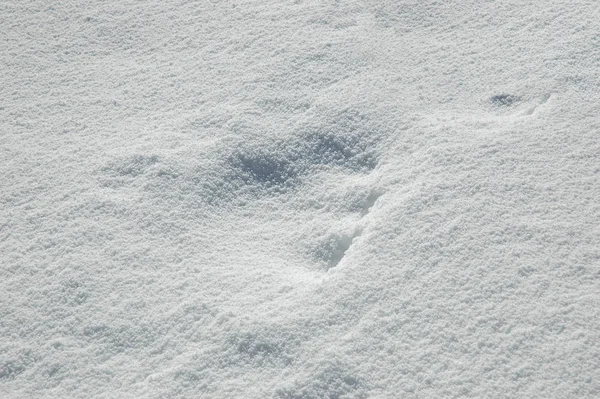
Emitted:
<point x="300" y="199"/>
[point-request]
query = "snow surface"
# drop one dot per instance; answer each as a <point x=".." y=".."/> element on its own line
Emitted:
<point x="300" y="199"/>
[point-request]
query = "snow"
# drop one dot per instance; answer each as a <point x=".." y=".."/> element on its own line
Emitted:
<point x="307" y="199"/>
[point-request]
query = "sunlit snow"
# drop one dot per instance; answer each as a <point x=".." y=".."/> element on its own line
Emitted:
<point x="300" y="199"/>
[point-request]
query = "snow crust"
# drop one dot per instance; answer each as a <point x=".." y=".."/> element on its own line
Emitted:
<point x="300" y="199"/>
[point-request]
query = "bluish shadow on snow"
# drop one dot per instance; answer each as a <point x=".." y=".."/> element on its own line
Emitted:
<point x="504" y="100"/>
<point x="256" y="169"/>
<point x="333" y="249"/>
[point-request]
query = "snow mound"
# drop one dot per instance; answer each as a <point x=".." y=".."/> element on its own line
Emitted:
<point x="294" y="200"/>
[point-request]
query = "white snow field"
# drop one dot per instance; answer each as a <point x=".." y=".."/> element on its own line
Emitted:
<point x="300" y="199"/>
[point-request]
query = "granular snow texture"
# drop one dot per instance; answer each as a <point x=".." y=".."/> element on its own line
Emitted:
<point x="300" y="199"/>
